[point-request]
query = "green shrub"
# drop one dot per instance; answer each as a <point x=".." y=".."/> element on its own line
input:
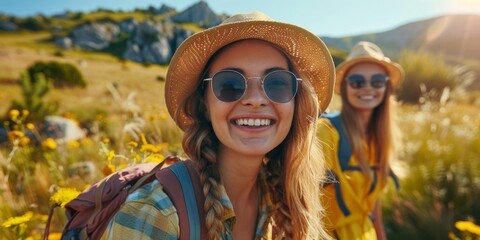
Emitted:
<point x="33" y="24"/>
<point x="441" y="185"/>
<point x="34" y="91"/>
<point x="61" y="74"/>
<point x="427" y="71"/>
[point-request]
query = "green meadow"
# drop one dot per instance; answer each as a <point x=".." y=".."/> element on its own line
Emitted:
<point x="123" y="113"/>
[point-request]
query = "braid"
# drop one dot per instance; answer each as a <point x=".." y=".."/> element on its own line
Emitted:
<point x="282" y="223"/>
<point x="213" y="207"/>
<point x="200" y="143"/>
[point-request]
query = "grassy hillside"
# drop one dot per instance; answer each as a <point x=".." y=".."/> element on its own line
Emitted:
<point x="17" y="52"/>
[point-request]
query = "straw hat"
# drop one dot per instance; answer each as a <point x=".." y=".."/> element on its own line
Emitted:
<point x="368" y="52"/>
<point x="307" y="52"/>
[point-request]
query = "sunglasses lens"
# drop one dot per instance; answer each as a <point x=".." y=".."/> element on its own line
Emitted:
<point x="379" y="80"/>
<point x="356" y="81"/>
<point x="228" y="86"/>
<point x="280" y="86"/>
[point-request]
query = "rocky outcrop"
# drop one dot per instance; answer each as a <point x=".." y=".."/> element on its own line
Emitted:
<point x="199" y="13"/>
<point x="63" y="42"/>
<point x="128" y="25"/>
<point x="94" y="36"/>
<point x="154" y="42"/>
<point x="145" y="42"/>
<point x="164" y="9"/>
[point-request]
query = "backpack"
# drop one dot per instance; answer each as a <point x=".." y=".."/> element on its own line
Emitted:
<point x="89" y="214"/>
<point x="344" y="155"/>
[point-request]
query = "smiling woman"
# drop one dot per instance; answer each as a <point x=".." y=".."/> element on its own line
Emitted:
<point x="358" y="143"/>
<point x="247" y="94"/>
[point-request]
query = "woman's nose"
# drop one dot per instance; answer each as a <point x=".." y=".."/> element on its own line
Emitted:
<point x="254" y="94"/>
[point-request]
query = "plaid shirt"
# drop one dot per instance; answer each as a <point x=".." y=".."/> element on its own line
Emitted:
<point x="148" y="213"/>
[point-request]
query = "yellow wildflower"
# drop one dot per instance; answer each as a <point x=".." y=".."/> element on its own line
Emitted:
<point x="63" y="196"/>
<point x="13" y="135"/>
<point x="150" y="148"/>
<point x="462" y="225"/>
<point x="19" y="220"/>
<point x="87" y="141"/>
<point x="108" y="169"/>
<point x="475" y="229"/>
<point x="163" y="116"/>
<point x="24" y="141"/>
<point x="74" y="144"/>
<point x="30" y="126"/>
<point x="110" y="156"/>
<point x="467" y="226"/>
<point x="106" y="140"/>
<point x="49" y="144"/>
<point x="25" y="112"/>
<point x="143" y="139"/>
<point x="132" y="144"/>
<point x="155" y="158"/>
<point x="55" y="236"/>
<point x="14" y="113"/>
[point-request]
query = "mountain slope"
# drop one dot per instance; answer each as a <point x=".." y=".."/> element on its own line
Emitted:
<point x="452" y="35"/>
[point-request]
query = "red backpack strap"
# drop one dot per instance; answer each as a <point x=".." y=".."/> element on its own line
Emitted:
<point x="181" y="182"/>
<point x="88" y="214"/>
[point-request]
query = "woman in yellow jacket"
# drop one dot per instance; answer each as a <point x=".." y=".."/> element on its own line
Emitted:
<point x="358" y="143"/>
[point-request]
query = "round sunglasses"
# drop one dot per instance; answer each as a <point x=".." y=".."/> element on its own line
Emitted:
<point x="357" y="81"/>
<point x="279" y="86"/>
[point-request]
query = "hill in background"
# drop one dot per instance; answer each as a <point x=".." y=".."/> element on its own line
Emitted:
<point x="451" y="35"/>
<point x="151" y="35"/>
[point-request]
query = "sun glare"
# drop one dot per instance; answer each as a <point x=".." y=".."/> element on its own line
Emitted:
<point x="466" y="6"/>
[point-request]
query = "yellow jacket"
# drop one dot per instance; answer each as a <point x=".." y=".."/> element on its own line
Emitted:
<point x="350" y="195"/>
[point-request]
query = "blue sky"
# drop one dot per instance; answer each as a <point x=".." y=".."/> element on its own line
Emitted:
<point x="333" y="18"/>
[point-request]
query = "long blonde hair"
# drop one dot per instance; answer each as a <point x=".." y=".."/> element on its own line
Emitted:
<point x="380" y="131"/>
<point x="294" y="169"/>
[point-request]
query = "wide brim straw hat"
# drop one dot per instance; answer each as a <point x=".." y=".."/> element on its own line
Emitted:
<point x="309" y="55"/>
<point x="368" y="52"/>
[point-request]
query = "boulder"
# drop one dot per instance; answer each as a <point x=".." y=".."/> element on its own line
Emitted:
<point x="94" y="36"/>
<point x="63" y="130"/>
<point x="133" y="52"/>
<point x="158" y="52"/>
<point x="63" y="42"/>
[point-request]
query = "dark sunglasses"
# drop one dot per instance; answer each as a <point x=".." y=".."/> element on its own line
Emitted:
<point x="280" y="86"/>
<point x="376" y="81"/>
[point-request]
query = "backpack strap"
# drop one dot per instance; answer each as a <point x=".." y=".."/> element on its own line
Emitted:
<point x="189" y="201"/>
<point x="344" y="148"/>
<point x="344" y="156"/>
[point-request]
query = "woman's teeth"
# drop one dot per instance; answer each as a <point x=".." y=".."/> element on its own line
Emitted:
<point x="253" y="122"/>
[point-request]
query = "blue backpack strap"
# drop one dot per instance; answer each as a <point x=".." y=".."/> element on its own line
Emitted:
<point x="395" y="179"/>
<point x="181" y="182"/>
<point x="344" y="148"/>
<point x="338" y="194"/>
<point x="180" y="170"/>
